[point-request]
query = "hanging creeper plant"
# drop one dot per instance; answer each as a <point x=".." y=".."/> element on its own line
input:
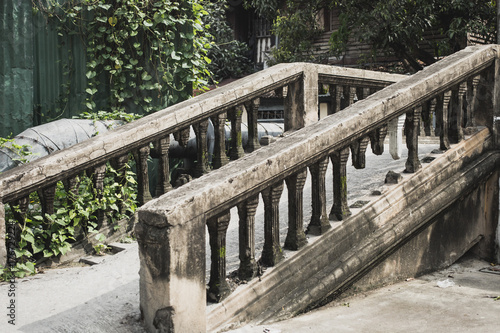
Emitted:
<point x="142" y="55"/>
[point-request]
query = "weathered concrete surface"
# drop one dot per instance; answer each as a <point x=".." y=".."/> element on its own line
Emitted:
<point x="172" y="268"/>
<point x="417" y="305"/>
<point x="105" y="297"/>
<point x="364" y="239"/>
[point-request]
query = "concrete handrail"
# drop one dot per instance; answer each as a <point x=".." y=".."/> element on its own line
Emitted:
<point x="137" y="137"/>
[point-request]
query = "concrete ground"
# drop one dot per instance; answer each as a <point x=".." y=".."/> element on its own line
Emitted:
<point x="458" y="299"/>
<point x="105" y="297"/>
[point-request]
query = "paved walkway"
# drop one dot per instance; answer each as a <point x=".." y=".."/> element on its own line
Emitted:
<point x="457" y="299"/>
<point x="105" y="297"/>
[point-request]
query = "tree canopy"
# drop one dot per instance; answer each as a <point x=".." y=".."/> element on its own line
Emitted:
<point x="398" y="27"/>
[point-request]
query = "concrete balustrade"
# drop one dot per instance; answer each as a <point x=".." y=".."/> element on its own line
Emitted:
<point x="310" y="143"/>
<point x="364" y="106"/>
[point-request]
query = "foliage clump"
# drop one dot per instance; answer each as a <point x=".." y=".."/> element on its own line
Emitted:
<point x="141" y="55"/>
<point x="407" y="29"/>
<point x="229" y="57"/>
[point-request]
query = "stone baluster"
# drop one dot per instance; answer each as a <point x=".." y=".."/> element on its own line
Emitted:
<point x="332" y="100"/>
<point x="358" y="149"/>
<point x="120" y="165"/>
<point x="98" y="173"/>
<point x="395" y="129"/>
<point x="248" y="265"/>
<point x="340" y="100"/>
<point x="218" y="288"/>
<point x="182" y="136"/>
<point x="161" y="147"/>
<point x="141" y="161"/>
<point x="442" y="120"/>
<point x="71" y="186"/>
<point x="219" y="158"/>
<point x="340" y="210"/>
<point x="19" y="214"/>
<point x="202" y="167"/>
<point x="365" y="92"/>
<point x="252" y="108"/>
<point x="412" y="127"/>
<point x="235" y="115"/>
<point x="319" y="223"/>
<point x="470" y="121"/>
<point x="457" y="113"/>
<point x="271" y="253"/>
<point x="352" y="96"/>
<point x="428" y="109"/>
<point x="47" y="195"/>
<point x="296" y="238"/>
<point x="377" y="138"/>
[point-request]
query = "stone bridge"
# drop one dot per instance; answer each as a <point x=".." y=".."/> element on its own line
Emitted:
<point x="439" y="209"/>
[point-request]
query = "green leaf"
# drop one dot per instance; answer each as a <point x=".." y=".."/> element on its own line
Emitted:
<point x="148" y="23"/>
<point x="145" y="76"/>
<point x="174" y="56"/>
<point x="28" y="237"/>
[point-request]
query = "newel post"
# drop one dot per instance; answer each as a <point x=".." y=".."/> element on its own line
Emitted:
<point x="172" y="270"/>
<point x="301" y="102"/>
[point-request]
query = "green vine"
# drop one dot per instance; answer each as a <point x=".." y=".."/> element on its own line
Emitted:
<point x="20" y="153"/>
<point x="75" y="216"/>
<point x="141" y="55"/>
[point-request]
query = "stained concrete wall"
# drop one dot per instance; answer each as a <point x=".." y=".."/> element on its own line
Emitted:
<point x="468" y="224"/>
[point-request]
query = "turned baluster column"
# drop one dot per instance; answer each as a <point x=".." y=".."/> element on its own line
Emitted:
<point x="141" y="161"/>
<point x="332" y="105"/>
<point x="395" y="129"/>
<point x="377" y="138"/>
<point x="235" y="115"/>
<point x="161" y="147"/>
<point x="319" y="223"/>
<point x="182" y="136"/>
<point x="202" y="167"/>
<point x="98" y="173"/>
<point x="20" y="216"/>
<point x="340" y="210"/>
<point x="252" y="108"/>
<point x="272" y="253"/>
<point x="220" y="158"/>
<point x="411" y="126"/>
<point x="470" y="124"/>
<point x="427" y="115"/>
<point x="120" y="165"/>
<point x="340" y="100"/>
<point x="358" y="149"/>
<point x="218" y="288"/>
<point x="457" y="114"/>
<point x="296" y="238"/>
<point x="442" y="120"/>
<point x="71" y="186"/>
<point x="248" y="265"/>
<point x="365" y="92"/>
<point x="352" y="95"/>
<point x="47" y="195"/>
